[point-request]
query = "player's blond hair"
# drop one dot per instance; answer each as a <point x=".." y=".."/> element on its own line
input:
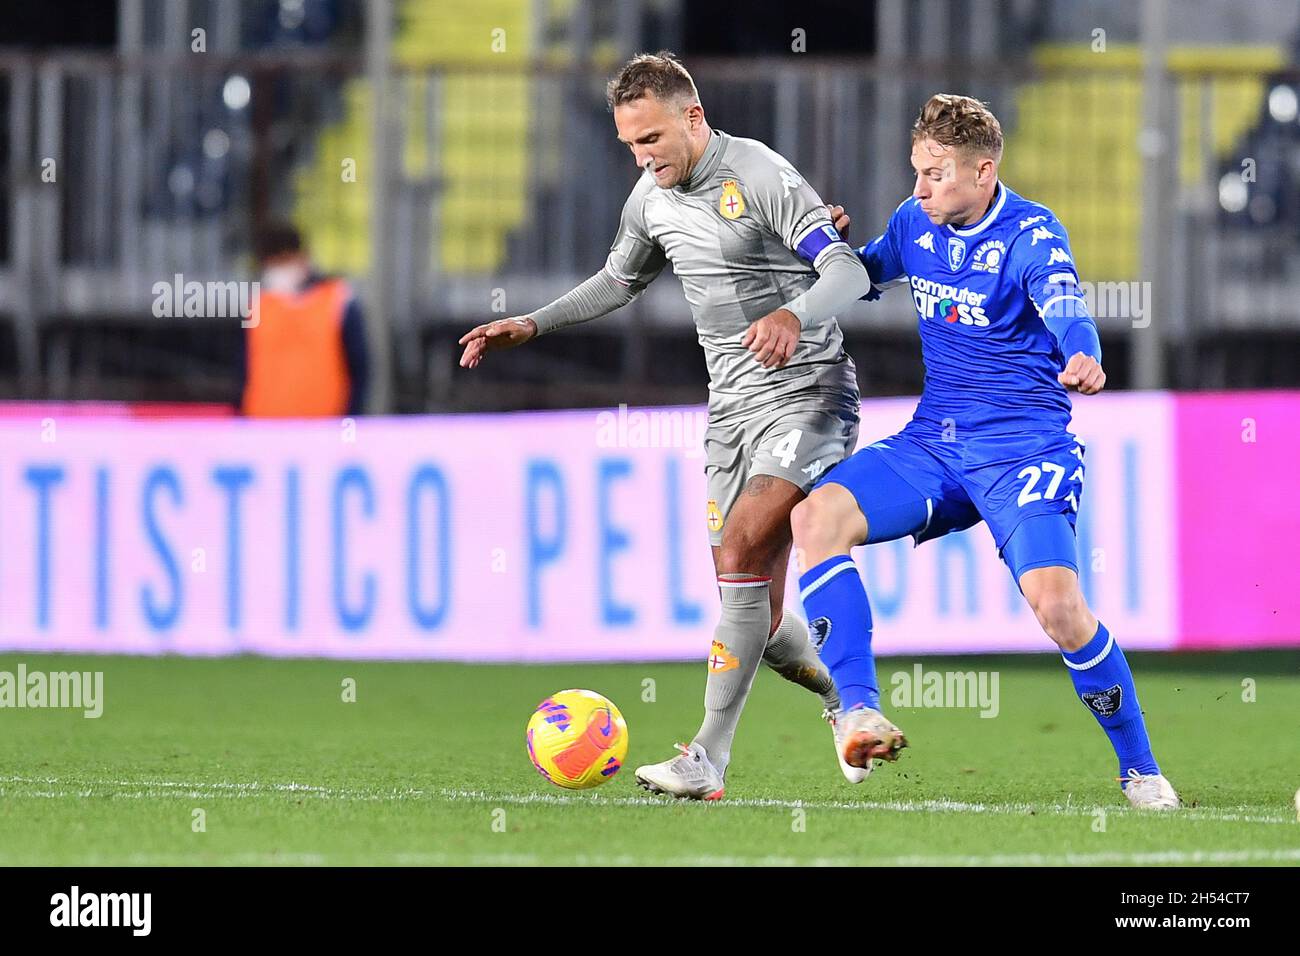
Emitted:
<point x="960" y="121"/>
<point x="660" y="75"/>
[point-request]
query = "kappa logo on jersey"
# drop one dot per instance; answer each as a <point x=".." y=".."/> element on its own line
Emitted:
<point x="952" y="304"/>
<point x="721" y="659"/>
<point x="956" y="252"/>
<point x="731" y="204"/>
<point x="1105" y="702"/>
<point x="715" y="516"/>
<point x="814" y="470"/>
<point x="1042" y="232"/>
<point x="988" y="257"/>
<point x="1031" y="220"/>
<point x="1059" y="255"/>
<point x="926" y="242"/>
<point x="790" y="178"/>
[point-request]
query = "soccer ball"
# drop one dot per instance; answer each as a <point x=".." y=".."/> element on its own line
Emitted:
<point x="577" y="739"/>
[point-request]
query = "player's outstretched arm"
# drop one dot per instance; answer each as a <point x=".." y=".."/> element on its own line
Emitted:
<point x="599" y="295"/>
<point x="634" y="261"/>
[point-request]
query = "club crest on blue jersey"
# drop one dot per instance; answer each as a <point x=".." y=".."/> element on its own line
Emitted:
<point x="956" y="252"/>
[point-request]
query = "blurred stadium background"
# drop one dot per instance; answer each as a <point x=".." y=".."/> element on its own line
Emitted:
<point x="1168" y="143"/>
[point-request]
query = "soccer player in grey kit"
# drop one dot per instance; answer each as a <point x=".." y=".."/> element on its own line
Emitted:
<point x="740" y="227"/>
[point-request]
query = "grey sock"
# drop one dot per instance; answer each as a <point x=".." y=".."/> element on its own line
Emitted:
<point x="790" y="653"/>
<point x="737" y="649"/>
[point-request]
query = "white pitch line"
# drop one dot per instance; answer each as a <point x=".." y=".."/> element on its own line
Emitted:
<point x="146" y="789"/>
<point x="1005" y="859"/>
<point x="1155" y="857"/>
<point x="219" y="788"/>
<point x="250" y="858"/>
<point x="1240" y="815"/>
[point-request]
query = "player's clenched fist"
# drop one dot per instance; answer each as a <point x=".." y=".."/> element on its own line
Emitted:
<point x="501" y="334"/>
<point x="1084" y="374"/>
<point x="773" y="338"/>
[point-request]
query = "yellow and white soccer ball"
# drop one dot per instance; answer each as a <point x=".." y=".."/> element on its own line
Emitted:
<point x="577" y="739"/>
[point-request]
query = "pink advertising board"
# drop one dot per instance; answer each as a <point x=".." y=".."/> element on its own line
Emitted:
<point x="564" y="536"/>
<point x="1239" y="519"/>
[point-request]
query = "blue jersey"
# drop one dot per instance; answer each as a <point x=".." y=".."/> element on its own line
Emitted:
<point x="1000" y="310"/>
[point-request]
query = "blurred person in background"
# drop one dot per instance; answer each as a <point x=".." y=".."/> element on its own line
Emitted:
<point x="305" y="353"/>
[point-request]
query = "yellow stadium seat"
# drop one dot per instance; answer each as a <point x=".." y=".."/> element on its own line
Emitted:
<point x="1073" y="143"/>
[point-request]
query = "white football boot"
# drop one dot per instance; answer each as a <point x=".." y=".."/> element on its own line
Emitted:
<point x="851" y="774"/>
<point x="689" y="775"/>
<point x="1149" y="791"/>
<point x="863" y="734"/>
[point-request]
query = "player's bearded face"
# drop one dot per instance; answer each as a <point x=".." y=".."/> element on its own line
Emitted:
<point x="949" y="184"/>
<point x="659" y="135"/>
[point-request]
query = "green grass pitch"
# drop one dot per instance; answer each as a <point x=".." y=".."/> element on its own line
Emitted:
<point x="428" y="766"/>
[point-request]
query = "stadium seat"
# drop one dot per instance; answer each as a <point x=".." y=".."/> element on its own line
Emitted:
<point x="1069" y="143"/>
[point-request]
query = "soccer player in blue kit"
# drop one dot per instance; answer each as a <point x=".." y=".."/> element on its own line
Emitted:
<point x="1005" y="332"/>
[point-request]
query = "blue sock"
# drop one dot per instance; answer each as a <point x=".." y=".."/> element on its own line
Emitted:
<point x="1105" y="684"/>
<point x="839" y="623"/>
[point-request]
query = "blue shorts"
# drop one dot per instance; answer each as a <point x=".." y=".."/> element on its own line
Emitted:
<point x="925" y="483"/>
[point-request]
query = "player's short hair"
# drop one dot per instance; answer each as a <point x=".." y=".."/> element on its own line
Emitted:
<point x="961" y="121"/>
<point x="660" y="75"/>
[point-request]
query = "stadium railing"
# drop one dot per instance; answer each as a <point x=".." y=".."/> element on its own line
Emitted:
<point x="123" y="172"/>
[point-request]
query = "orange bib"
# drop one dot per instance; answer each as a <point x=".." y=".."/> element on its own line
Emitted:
<point x="297" y="367"/>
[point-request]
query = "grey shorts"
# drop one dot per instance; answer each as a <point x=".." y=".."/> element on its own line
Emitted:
<point x="798" y="442"/>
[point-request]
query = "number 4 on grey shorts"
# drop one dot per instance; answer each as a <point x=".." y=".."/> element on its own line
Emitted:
<point x="797" y="443"/>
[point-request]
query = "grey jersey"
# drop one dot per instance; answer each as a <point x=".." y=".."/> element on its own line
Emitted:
<point x="731" y="233"/>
